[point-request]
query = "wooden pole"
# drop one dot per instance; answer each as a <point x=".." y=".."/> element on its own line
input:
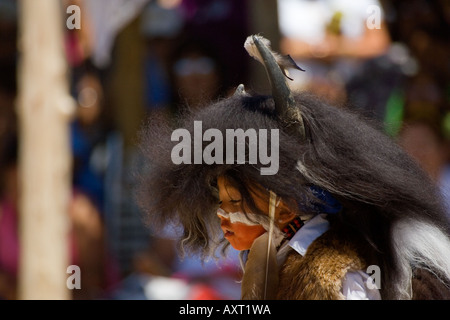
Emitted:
<point x="44" y="108"/>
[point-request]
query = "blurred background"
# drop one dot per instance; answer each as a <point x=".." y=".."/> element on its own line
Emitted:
<point x="130" y="60"/>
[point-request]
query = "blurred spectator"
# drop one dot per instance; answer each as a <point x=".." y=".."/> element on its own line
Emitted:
<point x="374" y="85"/>
<point x="424" y="97"/>
<point x="335" y="41"/>
<point x="90" y="249"/>
<point x="332" y="29"/>
<point x="389" y="71"/>
<point x="422" y="27"/>
<point x="424" y="142"/>
<point x="157" y="90"/>
<point x="196" y="72"/>
<point x="86" y="240"/>
<point x="90" y="131"/>
<point x="160" y="26"/>
<point x="222" y="25"/>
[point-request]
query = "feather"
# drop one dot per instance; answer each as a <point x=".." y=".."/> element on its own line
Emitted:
<point x="260" y="280"/>
<point x="240" y="91"/>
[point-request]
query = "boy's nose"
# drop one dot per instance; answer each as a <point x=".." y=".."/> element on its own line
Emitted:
<point x="224" y="221"/>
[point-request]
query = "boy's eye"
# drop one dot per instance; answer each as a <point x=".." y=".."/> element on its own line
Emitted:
<point x="235" y="201"/>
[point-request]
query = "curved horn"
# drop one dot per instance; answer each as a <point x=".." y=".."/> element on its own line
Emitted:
<point x="259" y="48"/>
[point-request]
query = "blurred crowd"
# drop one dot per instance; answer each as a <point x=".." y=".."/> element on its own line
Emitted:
<point x="189" y="53"/>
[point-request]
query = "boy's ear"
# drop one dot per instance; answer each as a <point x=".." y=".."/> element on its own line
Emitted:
<point x="286" y="213"/>
<point x="285" y="217"/>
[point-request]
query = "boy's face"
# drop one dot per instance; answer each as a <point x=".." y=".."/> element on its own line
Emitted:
<point x="240" y="235"/>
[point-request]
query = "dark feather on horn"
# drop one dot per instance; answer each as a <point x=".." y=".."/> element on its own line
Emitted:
<point x="285" y="62"/>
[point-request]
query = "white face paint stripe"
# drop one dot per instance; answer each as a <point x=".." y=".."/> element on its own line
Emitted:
<point x="249" y="219"/>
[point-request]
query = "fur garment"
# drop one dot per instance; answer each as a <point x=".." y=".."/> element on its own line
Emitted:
<point x="319" y="274"/>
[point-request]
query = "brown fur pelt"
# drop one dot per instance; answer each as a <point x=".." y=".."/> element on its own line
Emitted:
<point x="426" y="286"/>
<point x="319" y="274"/>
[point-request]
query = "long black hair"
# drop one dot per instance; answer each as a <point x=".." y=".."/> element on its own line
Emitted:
<point x="389" y="202"/>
